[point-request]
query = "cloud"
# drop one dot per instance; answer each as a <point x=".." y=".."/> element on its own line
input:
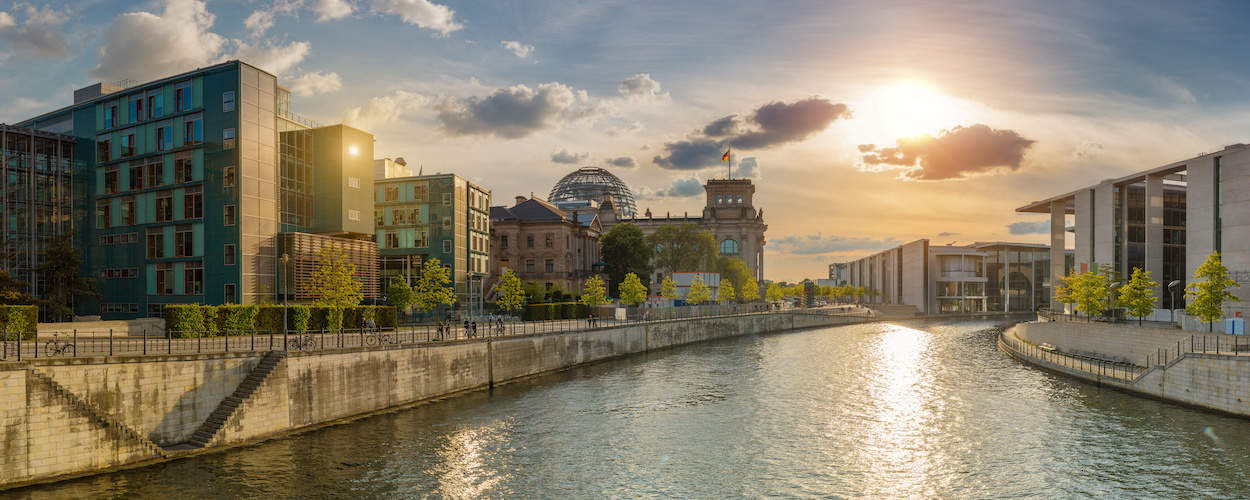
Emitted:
<point x="815" y="244"/>
<point x="682" y="187"/>
<point x="38" y="36"/>
<point x="258" y="22"/>
<point x="422" y="13"/>
<point x="271" y="57"/>
<point x="516" y="111"/>
<point x="310" y="84"/>
<point x="329" y="10"/>
<point x="772" y="124"/>
<point x="1039" y="227"/>
<point x="748" y="168"/>
<point x="142" y="45"/>
<point x="642" y="86"/>
<point x="385" y="109"/>
<point x="521" y="50"/>
<point x="954" y="154"/>
<point x="621" y="161"/>
<point x="945" y="234"/>
<point x="564" y="156"/>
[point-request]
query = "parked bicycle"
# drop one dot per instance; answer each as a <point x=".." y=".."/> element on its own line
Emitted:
<point x="305" y="343"/>
<point x="58" y="347"/>
<point x="379" y="338"/>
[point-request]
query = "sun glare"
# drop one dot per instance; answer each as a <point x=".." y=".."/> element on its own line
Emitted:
<point x="905" y="109"/>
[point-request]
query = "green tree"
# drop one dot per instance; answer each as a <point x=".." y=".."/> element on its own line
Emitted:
<point x="511" y="293"/>
<point x="1138" y="295"/>
<point x="594" y="293"/>
<point x="1206" y="295"/>
<point x="750" y="291"/>
<point x="434" y="287"/>
<point x="334" y="282"/>
<point x="14" y="291"/>
<point x="699" y="292"/>
<point x="683" y="248"/>
<point x="668" y="288"/>
<point x="734" y="271"/>
<point x="1091" y="293"/>
<point x="625" y="250"/>
<point x="633" y="292"/>
<point x="726" y="292"/>
<point x="398" y="294"/>
<point x="774" y="292"/>
<point x="1063" y="293"/>
<point x="535" y="293"/>
<point x="60" y="271"/>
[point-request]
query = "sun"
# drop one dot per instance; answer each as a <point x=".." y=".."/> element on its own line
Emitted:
<point x="906" y="108"/>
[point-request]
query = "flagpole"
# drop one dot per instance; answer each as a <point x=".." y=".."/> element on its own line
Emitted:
<point x="731" y="163"/>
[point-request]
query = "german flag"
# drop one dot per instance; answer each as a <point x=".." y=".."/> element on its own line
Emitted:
<point x="725" y="157"/>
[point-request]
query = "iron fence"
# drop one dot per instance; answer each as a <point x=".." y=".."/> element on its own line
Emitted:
<point x="1125" y="372"/>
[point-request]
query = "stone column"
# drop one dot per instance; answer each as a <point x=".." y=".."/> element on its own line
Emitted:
<point x="1154" y="235"/>
<point x="1058" y="209"/>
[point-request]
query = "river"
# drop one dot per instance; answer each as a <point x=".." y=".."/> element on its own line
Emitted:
<point x="905" y="409"/>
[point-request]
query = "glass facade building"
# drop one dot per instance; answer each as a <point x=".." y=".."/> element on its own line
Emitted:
<point x="1017" y="276"/>
<point x="36" y="202"/>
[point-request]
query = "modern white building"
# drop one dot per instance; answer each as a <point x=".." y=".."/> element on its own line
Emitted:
<point x="1165" y="220"/>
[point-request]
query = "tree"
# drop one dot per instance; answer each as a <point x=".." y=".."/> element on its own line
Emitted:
<point x="733" y="271"/>
<point x="594" y="293"/>
<point x="633" y="292"/>
<point x="1138" y="295"/>
<point x="668" y="288"/>
<point x="774" y="292"/>
<point x="750" y="291"/>
<point x="60" y="271"/>
<point x="14" y="291"/>
<point x="625" y="250"/>
<point x="534" y="292"/>
<point x="334" y="282"/>
<point x="1091" y="292"/>
<point x="511" y="293"/>
<point x="683" y="248"/>
<point x="398" y="294"/>
<point x="726" y="292"/>
<point x="1063" y="292"/>
<point x="699" y="292"/>
<point x="1206" y="295"/>
<point x="433" y="289"/>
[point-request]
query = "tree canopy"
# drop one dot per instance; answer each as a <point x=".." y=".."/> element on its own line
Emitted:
<point x="668" y="288"/>
<point x="734" y="271"/>
<point x="699" y="292"/>
<point x="1206" y="295"/>
<point x="398" y="294"/>
<point x="774" y="292"/>
<point x="593" y="293"/>
<point x="511" y="295"/>
<point x="683" y="248"/>
<point x="726" y="291"/>
<point x="633" y="292"/>
<point x="334" y="282"/>
<point x="434" y="287"/>
<point x="750" y="291"/>
<point x="60" y="270"/>
<point x="625" y="250"/>
<point x="1138" y="295"/>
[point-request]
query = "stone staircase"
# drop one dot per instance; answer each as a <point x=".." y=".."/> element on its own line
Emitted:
<point x="212" y="426"/>
<point x="95" y="414"/>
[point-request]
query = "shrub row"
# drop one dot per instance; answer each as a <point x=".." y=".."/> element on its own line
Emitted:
<point x="555" y="310"/>
<point x="193" y="320"/>
<point x="14" y="319"/>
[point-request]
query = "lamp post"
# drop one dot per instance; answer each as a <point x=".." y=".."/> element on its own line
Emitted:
<point x="1172" y="307"/>
<point x="286" y="261"/>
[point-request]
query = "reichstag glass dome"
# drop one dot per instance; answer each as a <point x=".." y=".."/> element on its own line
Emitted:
<point x="591" y="183"/>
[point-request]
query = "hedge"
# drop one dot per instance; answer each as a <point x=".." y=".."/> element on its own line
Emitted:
<point x="24" y="319"/>
<point x="193" y="320"/>
<point x="554" y="310"/>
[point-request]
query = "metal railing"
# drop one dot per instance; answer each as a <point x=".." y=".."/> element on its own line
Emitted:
<point x="1125" y="372"/>
<point x="78" y="344"/>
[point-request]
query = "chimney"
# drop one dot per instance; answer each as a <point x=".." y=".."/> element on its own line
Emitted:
<point x="520" y="199"/>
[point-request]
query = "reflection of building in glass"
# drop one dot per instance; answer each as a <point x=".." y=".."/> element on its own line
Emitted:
<point x="592" y="184"/>
<point x="36" y="169"/>
<point x="1017" y="275"/>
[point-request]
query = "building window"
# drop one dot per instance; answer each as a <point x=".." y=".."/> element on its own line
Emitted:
<point x="227" y="254"/>
<point x="549" y="266"/>
<point x="392" y="193"/>
<point x="182" y="96"/>
<point x="353" y="214"/>
<point x="228" y="291"/>
<point x="128" y="211"/>
<point x="446" y="199"/>
<point x="164" y="207"/>
<point x="419" y="192"/>
<point x="136" y="109"/>
<point x="165" y="278"/>
<point x="184" y="167"/>
<point x="446" y="246"/>
<point x="550" y="240"/>
<point x="128" y="144"/>
<point x="353" y="182"/>
<point x="392" y="240"/>
<point x="227" y="101"/>
<point x="529" y="241"/>
<point x="193" y="278"/>
<point x="156" y="243"/>
<point x="729" y="247"/>
<point x="421" y="240"/>
<point x="227" y="139"/>
<point x="227" y="177"/>
<point x="719" y="201"/>
<point x="184" y="242"/>
<point x="529" y="266"/>
<point x="102" y="214"/>
<point x="739" y="199"/>
<point x="112" y="180"/>
<point x="110" y="116"/>
<point x="447" y="222"/>
<point x="228" y="215"/>
<point x="193" y="204"/>
<point x="503" y="242"/>
<point x="193" y="130"/>
<point x="164" y="136"/>
<point x="103" y="148"/>
<point x="155" y="104"/>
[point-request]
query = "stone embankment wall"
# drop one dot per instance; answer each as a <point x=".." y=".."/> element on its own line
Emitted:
<point x="1219" y="382"/>
<point x="65" y="417"/>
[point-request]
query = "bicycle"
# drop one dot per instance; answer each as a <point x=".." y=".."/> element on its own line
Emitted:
<point x="57" y="347"/>
<point x="379" y="338"/>
<point x="305" y="343"/>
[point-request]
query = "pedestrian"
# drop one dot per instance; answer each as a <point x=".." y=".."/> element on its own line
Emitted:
<point x="373" y="326"/>
<point x="474" y="327"/>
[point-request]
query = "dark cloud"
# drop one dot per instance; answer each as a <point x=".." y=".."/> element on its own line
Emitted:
<point x="945" y="234"/>
<point x="722" y="127"/>
<point x="39" y="41"/>
<point x="953" y="154"/>
<point x="769" y="125"/>
<point x="748" y="168"/>
<point x="516" y="111"/>
<point x="1039" y="227"/>
<point x="682" y="187"/>
<point x="815" y="244"/>
<point x="566" y="157"/>
<point x="621" y="161"/>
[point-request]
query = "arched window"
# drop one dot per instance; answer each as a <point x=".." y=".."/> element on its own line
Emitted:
<point x="739" y="199"/>
<point x="728" y="247"/>
<point x="719" y="199"/>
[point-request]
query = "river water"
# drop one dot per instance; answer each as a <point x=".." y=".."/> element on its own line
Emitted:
<point x="916" y="409"/>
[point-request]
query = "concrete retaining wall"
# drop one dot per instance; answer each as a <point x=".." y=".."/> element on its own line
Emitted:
<point x="1121" y="342"/>
<point x="64" y="417"/>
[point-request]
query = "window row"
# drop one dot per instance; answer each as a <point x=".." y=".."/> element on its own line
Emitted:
<point x="549" y="266"/>
<point x="184" y="242"/>
<point x="119" y="239"/>
<point x="127" y="273"/>
<point x="728" y="199"/>
<point x="130" y="142"/>
<point x="192" y="208"/>
<point x="141" y="175"/>
<point x="192" y="278"/>
<point x="113" y="307"/>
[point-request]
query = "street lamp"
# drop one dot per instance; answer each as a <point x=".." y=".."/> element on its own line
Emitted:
<point x="286" y="261"/>
<point x="1172" y="307"/>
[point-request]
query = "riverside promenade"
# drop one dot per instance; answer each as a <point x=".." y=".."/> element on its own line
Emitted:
<point x="67" y="416"/>
<point x="1209" y="371"/>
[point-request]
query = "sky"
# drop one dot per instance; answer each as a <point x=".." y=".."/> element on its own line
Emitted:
<point x="864" y="124"/>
